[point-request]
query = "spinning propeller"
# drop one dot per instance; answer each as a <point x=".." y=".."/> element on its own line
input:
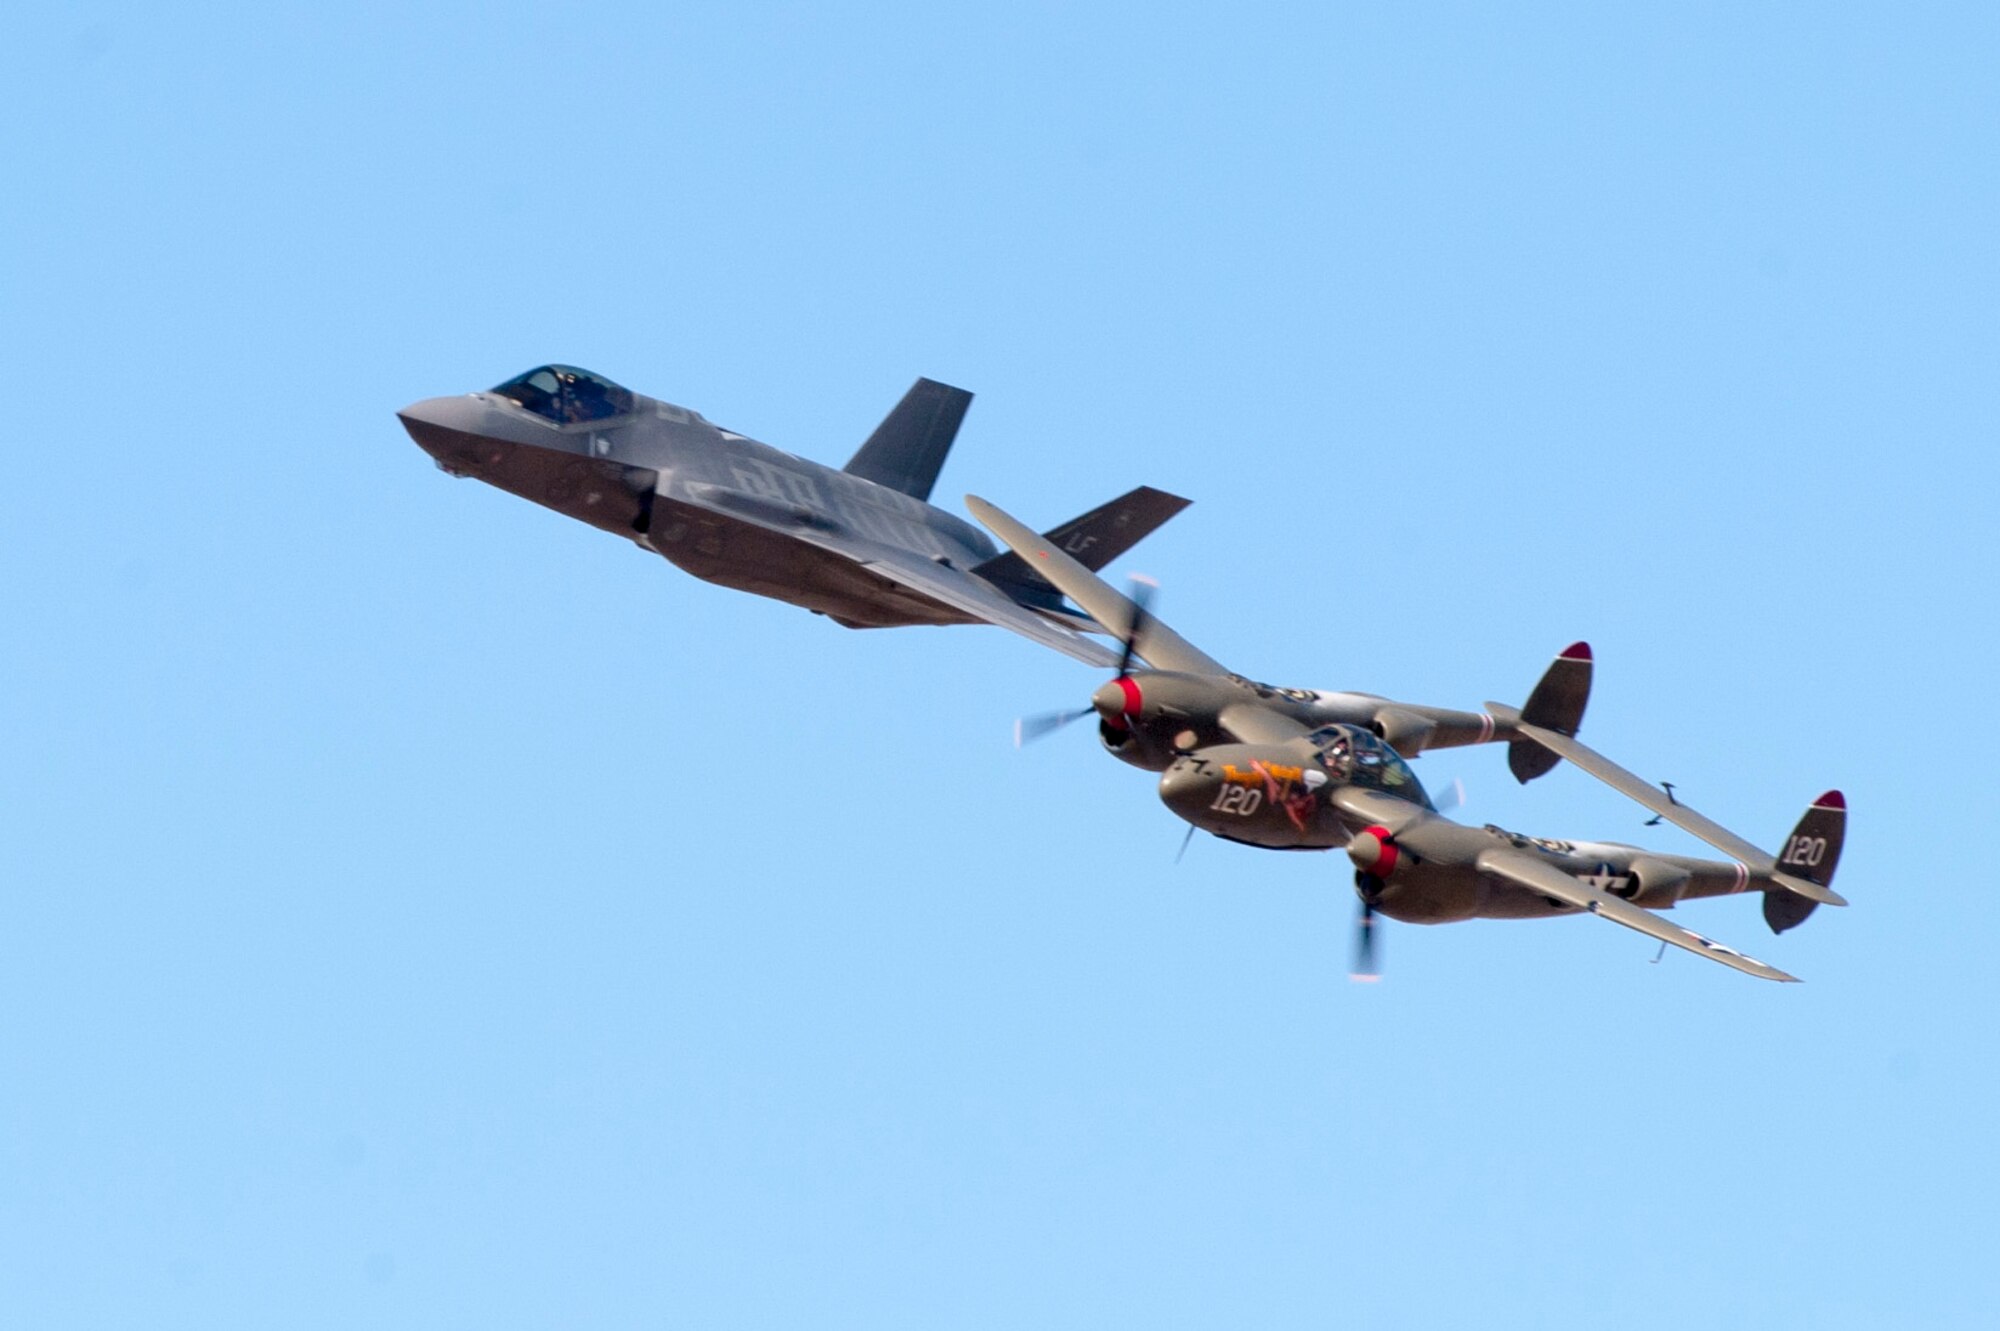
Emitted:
<point x="1364" y="970"/>
<point x="1375" y="852"/>
<point x="1126" y="699"/>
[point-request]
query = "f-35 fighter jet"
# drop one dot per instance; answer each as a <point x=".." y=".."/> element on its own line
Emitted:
<point x="861" y="545"/>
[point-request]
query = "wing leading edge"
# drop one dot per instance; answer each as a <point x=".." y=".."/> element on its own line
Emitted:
<point x="1162" y="648"/>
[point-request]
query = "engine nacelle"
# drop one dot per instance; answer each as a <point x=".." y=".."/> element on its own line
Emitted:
<point x="1137" y="745"/>
<point x="1405" y="732"/>
<point x="1654" y="883"/>
<point x="1149" y="718"/>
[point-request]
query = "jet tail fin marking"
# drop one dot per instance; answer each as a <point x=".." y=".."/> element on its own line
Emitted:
<point x="908" y="448"/>
<point x="1093" y="539"/>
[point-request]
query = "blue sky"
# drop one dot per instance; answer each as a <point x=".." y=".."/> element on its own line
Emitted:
<point x="417" y="910"/>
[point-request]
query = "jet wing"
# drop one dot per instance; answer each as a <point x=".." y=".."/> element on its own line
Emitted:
<point x="1660" y="802"/>
<point x="1538" y="876"/>
<point x="1162" y="648"/>
<point x="953" y="587"/>
<point x="976" y="597"/>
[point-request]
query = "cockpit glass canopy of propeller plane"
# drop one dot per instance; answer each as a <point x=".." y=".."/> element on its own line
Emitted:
<point x="566" y="395"/>
<point x="1354" y="755"/>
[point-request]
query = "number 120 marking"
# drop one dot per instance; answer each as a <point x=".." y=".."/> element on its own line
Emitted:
<point x="1239" y="800"/>
<point x="1805" y="850"/>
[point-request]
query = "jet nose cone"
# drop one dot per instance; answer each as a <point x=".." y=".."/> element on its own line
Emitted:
<point x="453" y="430"/>
<point x="432" y="421"/>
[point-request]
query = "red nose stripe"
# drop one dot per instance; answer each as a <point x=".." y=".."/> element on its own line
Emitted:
<point x="1133" y="702"/>
<point x="1385" y="863"/>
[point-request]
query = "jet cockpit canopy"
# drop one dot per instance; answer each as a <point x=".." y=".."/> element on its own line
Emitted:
<point x="567" y="395"/>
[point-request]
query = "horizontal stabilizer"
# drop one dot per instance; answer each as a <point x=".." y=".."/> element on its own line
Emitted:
<point x="1093" y="540"/>
<point x="908" y="448"/>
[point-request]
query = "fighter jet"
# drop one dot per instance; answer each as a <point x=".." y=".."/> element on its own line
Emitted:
<point x="860" y="545"/>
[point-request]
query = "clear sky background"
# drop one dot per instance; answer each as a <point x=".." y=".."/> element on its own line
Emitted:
<point x="418" y="910"/>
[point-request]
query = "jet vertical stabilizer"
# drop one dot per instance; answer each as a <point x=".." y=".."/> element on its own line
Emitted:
<point x="907" y="449"/>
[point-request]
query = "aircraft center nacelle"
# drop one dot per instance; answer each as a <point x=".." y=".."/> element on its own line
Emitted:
<point x="1266" y="795"/>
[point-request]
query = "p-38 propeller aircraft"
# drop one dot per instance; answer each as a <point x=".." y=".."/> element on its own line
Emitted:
<point x="861" y="545"/>
<point x="1295" y="769"/>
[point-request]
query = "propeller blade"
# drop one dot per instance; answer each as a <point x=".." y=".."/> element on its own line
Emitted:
<point x="1031" y="728"/>
<point x="1450" y="797"/>
<point x="1142" y="601"/>
<point x="1364" y="970"/>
